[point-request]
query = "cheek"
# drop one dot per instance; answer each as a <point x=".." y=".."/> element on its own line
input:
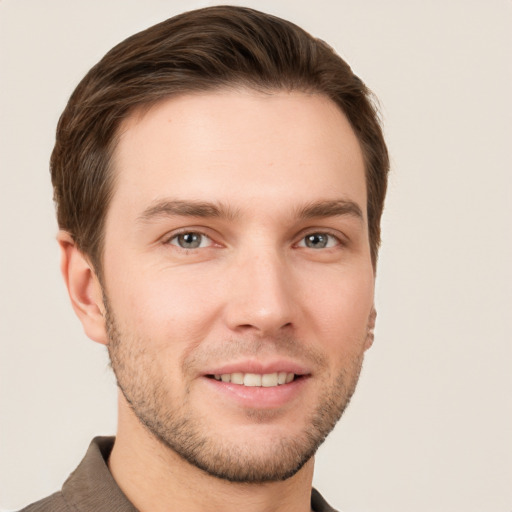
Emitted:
<point x="341" y="309"/>
<point x="165" y="306"/>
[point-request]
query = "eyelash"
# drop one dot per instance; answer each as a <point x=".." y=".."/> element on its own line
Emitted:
<point x="175" y="236"/>
<point x="329" y="236"/>
<point x="303" y="239"/>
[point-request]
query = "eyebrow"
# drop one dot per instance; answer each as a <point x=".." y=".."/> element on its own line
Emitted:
<point x="168" y="208"/>
<point x="335" y="208"/>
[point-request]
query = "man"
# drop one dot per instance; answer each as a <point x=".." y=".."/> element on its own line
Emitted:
<point x="219" y="181"/>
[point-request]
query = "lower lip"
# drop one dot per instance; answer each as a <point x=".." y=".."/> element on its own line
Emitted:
<point x="258" y="397"/>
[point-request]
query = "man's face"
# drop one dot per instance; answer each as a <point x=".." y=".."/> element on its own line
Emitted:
<point x="237" y="276"/>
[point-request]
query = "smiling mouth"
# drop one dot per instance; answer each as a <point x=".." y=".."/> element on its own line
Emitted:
<point x="266" y="380"/>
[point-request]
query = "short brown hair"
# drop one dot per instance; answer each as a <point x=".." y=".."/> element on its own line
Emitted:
<point x="199" y="50"/>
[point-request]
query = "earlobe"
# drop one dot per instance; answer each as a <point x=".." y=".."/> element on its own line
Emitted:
<point x="370" y="336"/>
<point x="84" y="288"/>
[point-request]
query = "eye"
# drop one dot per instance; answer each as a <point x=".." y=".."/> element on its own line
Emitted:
<point x="319" y="241"/>
<point x="190" y="240"/>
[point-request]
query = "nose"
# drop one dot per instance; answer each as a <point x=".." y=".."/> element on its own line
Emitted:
<point x="260" y="295"/>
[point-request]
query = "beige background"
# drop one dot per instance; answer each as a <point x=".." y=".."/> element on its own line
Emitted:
<point x="430" y="428"/>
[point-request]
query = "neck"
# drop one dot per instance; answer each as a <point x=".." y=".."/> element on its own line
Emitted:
<point x="154" y="478"/>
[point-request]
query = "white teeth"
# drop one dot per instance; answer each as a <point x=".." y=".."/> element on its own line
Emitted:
<point x="237" y="378"/>
<point x="252" y="379"/>
<point x="266" y="380"/>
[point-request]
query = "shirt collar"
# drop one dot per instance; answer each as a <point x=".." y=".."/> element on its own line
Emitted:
<point x="91" y="486"/>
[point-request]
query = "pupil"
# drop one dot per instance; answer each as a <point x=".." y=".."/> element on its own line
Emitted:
<point x="190" y="240"/>
<point x="316" y="241"/>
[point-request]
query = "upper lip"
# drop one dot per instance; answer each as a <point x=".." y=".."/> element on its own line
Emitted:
<point x="259" y="367"/>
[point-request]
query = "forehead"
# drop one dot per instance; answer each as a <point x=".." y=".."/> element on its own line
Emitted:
<point x="241" y="147"/>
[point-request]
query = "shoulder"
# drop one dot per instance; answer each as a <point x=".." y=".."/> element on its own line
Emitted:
<point x="53" y="503"/>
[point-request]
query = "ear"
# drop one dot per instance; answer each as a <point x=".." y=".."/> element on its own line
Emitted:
<point x="84" y="288"/>
<point x="370" y="336"/>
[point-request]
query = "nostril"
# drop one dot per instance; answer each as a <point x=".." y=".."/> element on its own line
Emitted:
<point x="259" y="327"/>
<point x="246" y="328"/>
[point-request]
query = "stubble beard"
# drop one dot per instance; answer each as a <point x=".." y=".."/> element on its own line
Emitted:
<point x="178" y="429"/>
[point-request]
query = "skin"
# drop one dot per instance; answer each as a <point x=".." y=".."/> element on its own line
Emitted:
<point x="253" y="175"/>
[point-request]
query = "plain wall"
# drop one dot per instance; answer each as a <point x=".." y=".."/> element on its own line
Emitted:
<point x="430" y="427"/>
